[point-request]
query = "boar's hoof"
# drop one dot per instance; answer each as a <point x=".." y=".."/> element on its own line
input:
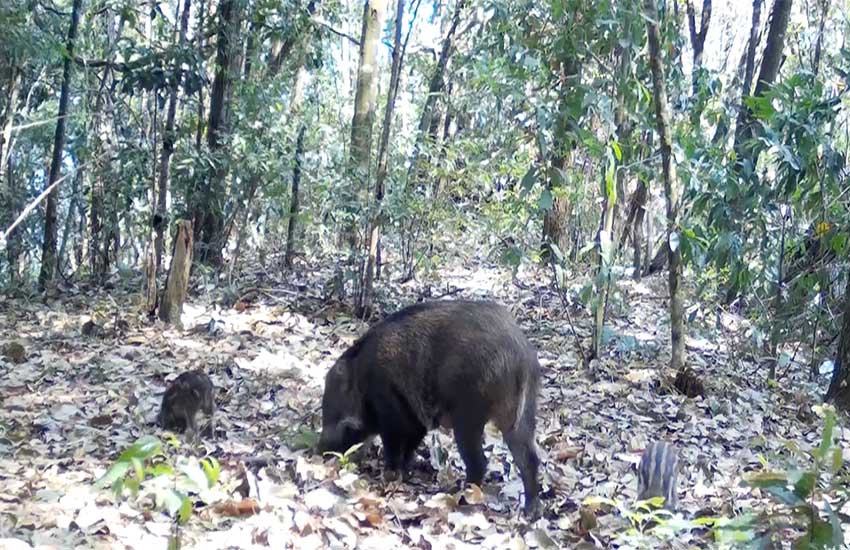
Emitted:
<point x="532" y="510"/>
<point x="391" y="475"/>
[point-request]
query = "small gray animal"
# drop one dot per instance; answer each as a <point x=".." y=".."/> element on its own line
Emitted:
<point x="657" y="474"/>
<point x="188" y="394"/>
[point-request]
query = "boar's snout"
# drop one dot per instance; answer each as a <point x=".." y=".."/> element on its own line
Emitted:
<point x="340" y="436"/>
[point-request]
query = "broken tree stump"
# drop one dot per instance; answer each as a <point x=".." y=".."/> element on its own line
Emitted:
<point x="150" y="292"/>
<point x="177" y="282"/>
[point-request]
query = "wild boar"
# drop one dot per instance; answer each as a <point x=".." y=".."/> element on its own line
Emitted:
<point x="188" y="394"/>
<point x="458" y="364"/>
<point x="657" y="474"/>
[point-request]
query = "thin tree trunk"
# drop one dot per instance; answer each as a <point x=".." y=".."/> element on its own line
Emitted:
<point x="770" y="64"/>
<point x="671" y="188"/>
<point x="364" y="301"/>
<point x="839" y="386"/>
<point x="76" y="190"/>
<point x="209" y="214"/>
<point x="280" y="48"/>
<point x="819" y="43"/>
<point x="9" y="118"/>
<point x="745" y="72"/>
<point x="8" y="194"/>
<point x="201" y="34"/>
<point x="48" y="250"/>
<point x="13" y="242"/>
<point x="295" y="202"/>
<point x="361" y="126"/>
<point x="698" y="37"/>
<point x="435" y="87"/>
<point x="604" y="246"/>
<point x="168" y="140"/>
<point x="637" y="227"/>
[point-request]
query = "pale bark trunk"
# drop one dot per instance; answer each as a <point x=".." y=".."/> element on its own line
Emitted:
<point x="603" y="241"/>
<point x="364" y="302"/>
<point x="361" y="127"/>
<point x="177" y="282"/>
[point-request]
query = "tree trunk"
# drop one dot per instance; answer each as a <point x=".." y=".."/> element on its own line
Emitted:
<point x="295" y="202"/>
<point x="745" y="72"/>
<point x="9" y="198"/>
<point x="168" y="139"/>
<point x="613" y="181"/>
<point x="556" y="220"/>
<point x="280" y="48"/>
<point x="149" y="290"/>
<point x="364" y="299"/>
<point x="295" y="113"/>
<point x="12" y="93"/>
<point x="365" y="95"/>
<point x="435" y="87"/>
<point x="604" y="247"/>
<point x="76" y="199"/>
<point x="177" y="282"/>
<point x="200" y="33"/>
<point x="13" y="241"/>
<point x="698" y="36"/>
<point x="209" y="212"/>
<point x="746" y="129"/>
<point x="48" y="250"/>
<point x="839" y="386"/>
<point x="361" y="126"/>
<point x="639" y="206"/>
<point x="824" y="6"/>
<point x="671" y="188"/>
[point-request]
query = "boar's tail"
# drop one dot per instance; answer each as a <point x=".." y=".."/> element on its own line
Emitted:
<point x="527" y="405"/>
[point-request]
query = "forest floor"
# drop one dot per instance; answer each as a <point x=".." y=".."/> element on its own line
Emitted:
<point x="77" y="398"/>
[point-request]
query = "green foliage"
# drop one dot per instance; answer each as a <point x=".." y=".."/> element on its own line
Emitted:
<point x="649" y="525"/>
<point x="805" y="498"/>
<point x="144" y="467"/>
<point x="344" y="459"/>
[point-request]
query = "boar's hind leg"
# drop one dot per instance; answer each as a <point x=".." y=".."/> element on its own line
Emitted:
<point x="469" y="435"/>
<point x="521" y="445"/>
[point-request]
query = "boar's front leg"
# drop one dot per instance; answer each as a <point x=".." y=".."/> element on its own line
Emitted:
<point x="469" y="436"/>
<point x="410" y="446"/>
<point x="400" y="430"/>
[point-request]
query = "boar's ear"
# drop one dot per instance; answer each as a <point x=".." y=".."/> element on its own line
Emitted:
<point x="351" y="423"/>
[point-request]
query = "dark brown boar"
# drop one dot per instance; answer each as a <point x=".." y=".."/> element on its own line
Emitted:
<point x="451" y="363"/>
<point x="658" y="472"/>
<point x="188" y="394"/>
